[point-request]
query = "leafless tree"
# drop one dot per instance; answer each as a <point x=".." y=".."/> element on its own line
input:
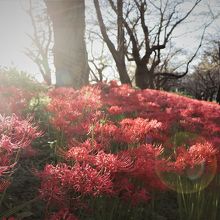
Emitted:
<point x="99" y="61"/>
<point x="204" y="82"/>
<point x="145" y="28"/>
<point x="118" y="52"/>
<point x="42" y="39"/>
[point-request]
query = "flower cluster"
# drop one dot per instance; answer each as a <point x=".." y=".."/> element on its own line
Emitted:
<point x="60" y="181"/>
<point x="74" y="110"/>
<point x="10" y="218"/>
<point x="119" y="139"/>
<point x="16" y="136"/>
<point x="13" y="100"/>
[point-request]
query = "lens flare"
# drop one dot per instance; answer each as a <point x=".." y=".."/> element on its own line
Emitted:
<point x="189" y="179"/>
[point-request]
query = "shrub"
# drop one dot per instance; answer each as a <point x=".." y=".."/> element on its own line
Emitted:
<point x="17" y="89"/>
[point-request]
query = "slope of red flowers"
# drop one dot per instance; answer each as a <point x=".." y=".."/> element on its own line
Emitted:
<point x="119" y="143"/>
<point x="117" y="139"/>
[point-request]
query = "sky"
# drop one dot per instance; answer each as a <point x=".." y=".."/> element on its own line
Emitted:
<point x="15" y="25"/>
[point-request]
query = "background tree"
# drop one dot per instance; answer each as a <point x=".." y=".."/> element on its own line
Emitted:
<point x="215" y="59"/>
<point x="146" y="29"/>
<point x="204" y="82"/>
<point x="99" y="61"/>
<point x="42" y="39"/>
<point x="118" y="52"/>
<point x="70" y="55"/>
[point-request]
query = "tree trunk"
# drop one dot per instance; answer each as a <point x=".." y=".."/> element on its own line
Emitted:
<point x="121" y="67"/>
<point x="119" y="54"/>
<point x="218" y="96"/>
<point x="70" y="55"/>
<point x="120" y="63"/>
<point x="143" y="77"/>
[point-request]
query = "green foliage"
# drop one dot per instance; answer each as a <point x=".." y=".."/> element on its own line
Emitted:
<point x="19" y="79"/>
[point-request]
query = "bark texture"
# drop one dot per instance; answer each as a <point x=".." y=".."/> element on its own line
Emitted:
<point x="70" y="55"/>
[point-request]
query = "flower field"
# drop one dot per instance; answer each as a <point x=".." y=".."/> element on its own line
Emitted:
<point x="108" y="152"/>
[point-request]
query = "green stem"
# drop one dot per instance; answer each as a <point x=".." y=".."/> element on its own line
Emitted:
<point x="18" y="208"/>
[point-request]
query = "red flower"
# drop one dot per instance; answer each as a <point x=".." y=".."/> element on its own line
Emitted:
<point x="58" y="181"/>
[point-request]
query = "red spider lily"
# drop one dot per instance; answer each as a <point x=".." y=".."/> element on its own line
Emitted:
<point x="135" y="130"/>
<point x="13" y="100"/>
<point x="121" y="136"/>
<point x="73" y="111"/>
<point x="9" y="218"/>
<point x="16" y="136"/>
<point x="129" y="192"/>
<point x="115" y="110"/>
<point x="112" y="163"/>
<point x="80" y="154"/>
<point x="196" y="154"/>
<point x="59" y="181"/>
